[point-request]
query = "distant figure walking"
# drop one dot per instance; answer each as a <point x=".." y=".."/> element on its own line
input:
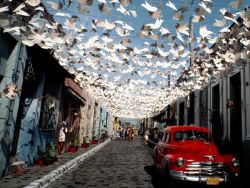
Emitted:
<point x="125" y="133"/>
<point x="131" y="134"/>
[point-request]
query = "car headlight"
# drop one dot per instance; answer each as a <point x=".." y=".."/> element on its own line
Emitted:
<point x="235" y="162"/>
<point x="180" y="161"/>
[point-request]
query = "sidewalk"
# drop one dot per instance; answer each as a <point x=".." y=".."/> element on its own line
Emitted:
<point x="37" y="176"/>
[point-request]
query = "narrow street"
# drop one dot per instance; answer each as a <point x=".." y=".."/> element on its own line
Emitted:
<point x="119" y="164"/>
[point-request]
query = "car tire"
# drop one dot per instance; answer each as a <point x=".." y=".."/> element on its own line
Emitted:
<point x="154" y="162"/>
<point x="166" y="171"/>
<point x="167" y="181"/>
<point x="163" y="171"/>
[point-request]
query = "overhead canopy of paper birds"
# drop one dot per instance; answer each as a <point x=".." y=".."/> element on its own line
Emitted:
<point x="135" y="56"/>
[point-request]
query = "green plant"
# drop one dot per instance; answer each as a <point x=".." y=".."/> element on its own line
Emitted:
<point x="50" y="151"/>
<point x="72" y="143"/>
<point x="48" y="155"/>
<point x="105" y="133"/>
<point x="86" y="139"/>
<point x="77" y="142"/>
<point x="94" y="137"/>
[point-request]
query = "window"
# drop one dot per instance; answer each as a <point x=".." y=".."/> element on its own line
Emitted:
<point x="182" y="135"/>
<point x="192" y="135"/>
<point x="166" y="138"/>
<point x="48" y="120"/>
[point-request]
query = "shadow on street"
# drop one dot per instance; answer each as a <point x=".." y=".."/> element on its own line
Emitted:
<point x="156" y="179"/>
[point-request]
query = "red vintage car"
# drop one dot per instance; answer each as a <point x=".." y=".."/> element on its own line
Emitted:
<point x="188" y="153"/>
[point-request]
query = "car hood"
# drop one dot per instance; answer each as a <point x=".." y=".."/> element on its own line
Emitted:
<point x="198" y="150"/>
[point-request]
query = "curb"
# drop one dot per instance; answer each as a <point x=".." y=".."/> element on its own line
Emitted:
<point x="53" y="175"/>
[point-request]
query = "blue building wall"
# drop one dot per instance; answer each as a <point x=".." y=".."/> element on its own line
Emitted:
<point x="13" y="60"/>
<point x="40" y="120"/>
<point x="30" y="139"/>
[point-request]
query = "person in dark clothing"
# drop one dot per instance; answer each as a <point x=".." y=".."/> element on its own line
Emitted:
<point x="125" y="133"/>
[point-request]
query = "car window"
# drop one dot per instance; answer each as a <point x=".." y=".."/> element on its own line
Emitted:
<point x="166" y="137"/>
<point x="203" y="135"/>
<point x="192" y="135"/>
<point x="182" y="135"/>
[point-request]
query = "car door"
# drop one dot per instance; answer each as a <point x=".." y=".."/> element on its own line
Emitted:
<point x="164" y="145"/>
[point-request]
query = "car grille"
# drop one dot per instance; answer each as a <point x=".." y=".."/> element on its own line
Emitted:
<point x="208" y="168"/>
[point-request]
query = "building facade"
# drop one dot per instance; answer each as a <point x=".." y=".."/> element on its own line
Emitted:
<point x="13" y="59"/>
<point x="48" y="100"/>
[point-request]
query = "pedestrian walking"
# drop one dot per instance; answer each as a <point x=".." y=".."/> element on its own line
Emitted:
<point x="126" y="133"/>
<point x="131" y="134"/>
<point x="121" y="133"/>
<point x="61" y="141"/>
<point x="62" y="136"/>
<point x="146" y="137"/>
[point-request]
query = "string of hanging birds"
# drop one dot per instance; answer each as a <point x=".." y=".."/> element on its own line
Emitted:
<point x="134" y="68"/>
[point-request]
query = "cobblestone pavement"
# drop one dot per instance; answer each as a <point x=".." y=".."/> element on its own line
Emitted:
<point x="25" y="177"/>
<point x="120" y="163"/>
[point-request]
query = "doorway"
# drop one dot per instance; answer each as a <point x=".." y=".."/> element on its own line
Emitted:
<point x="191" y="109"/>
<point x="181" y="114"/>
<point x="235" y="112"/>
<point x="217" y="128"/>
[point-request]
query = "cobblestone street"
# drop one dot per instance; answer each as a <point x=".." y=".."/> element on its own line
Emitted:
<point x="120" y="164"/>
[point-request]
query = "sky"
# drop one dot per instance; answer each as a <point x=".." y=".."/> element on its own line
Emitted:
<point x="144" y="18"/>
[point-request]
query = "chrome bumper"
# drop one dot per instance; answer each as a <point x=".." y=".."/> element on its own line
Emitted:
<point x="179" y="175"/>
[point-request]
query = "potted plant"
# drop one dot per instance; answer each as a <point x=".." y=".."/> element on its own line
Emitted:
<point x="73" y="147"/>
<point x="94" y="140"/>
<point x="47" y="157"/>
<point x="86" y="142"/>
<point x="104" y="134"/>
<point x="40" y="162"/>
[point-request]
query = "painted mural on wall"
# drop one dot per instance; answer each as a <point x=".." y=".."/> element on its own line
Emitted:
<point x="29" y="138"/>
<point x="12" y="62"/>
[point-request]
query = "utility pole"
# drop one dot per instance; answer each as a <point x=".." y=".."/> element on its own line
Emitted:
<point x="191" y="41"/>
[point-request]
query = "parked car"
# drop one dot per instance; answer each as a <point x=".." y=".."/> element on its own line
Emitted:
<point x="188" y="153"/>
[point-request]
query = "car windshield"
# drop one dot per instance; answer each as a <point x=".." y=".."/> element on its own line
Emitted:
<point x="192" y="135"/>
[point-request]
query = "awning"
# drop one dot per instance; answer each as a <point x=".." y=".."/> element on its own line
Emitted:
<point x="74" y="89"/>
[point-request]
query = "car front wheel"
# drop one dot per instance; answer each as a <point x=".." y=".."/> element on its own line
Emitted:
<point x="166" y="175"/>
<point x="154" y="160"/>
